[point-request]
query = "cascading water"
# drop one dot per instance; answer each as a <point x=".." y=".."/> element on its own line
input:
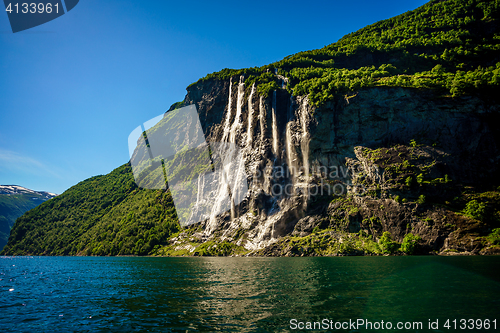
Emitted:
<point x="262" y="118"/>
<point x="290" y="109"/>
<point x="250" y="117"/>
<point x="284" y="81"/>
<point x="228" y="114"/>
<point x="230" y="186"/>
<point x="291" y="155"/>
<point x="221" y="193"/>
<point x="275" y="127"/>
<point x="255" y="147"/>
<point x="239" y="105"/>
<point x="304" y="145"/>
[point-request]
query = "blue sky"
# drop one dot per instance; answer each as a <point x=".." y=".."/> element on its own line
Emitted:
<point x="73" y="89"/>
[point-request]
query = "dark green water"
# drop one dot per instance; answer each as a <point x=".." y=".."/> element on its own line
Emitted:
<point x="96" y="294"/>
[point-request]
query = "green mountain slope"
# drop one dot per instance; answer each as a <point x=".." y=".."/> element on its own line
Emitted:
<point x="14" y="202"/>
<point x="101" y="215"/>
<point x="450" y="48"/>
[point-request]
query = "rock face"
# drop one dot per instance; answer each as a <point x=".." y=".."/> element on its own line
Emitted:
<point x="381" y="160"/>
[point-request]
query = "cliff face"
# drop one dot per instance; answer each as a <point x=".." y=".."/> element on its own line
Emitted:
<point x="383" y="159"/>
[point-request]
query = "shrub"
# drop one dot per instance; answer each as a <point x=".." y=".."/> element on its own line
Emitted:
<point x="421" y="199"/>
<point x="475" y="210"/>
<point x="214" y="249"/>
<point x="387" y="245"/>
<point x="410" y="243"/>
<point x="420" y="178"/>
<point x="494" y="237"/>
<point x="409" y="181"/>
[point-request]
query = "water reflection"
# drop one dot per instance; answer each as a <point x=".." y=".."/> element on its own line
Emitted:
<point x="436" y="288"/>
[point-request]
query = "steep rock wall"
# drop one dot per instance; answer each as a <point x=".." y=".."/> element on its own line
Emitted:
<point x="298" y="157"/>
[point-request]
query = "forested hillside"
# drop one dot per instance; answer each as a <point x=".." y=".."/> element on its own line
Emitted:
<point x="101" y="215"/>
<point x="14" y="202"/>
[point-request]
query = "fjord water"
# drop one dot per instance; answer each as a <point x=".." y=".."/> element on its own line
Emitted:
<point x="128" y="294"/>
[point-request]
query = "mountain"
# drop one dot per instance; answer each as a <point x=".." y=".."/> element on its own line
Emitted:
<point x="383" y="142"/>
<point x="14" y="202"/>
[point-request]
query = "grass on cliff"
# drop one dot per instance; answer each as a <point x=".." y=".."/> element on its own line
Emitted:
<point x="451" y="46"/>
<point x="211" y="248"/>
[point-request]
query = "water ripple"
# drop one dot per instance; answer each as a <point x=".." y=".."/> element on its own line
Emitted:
<point x="131" y="294"/>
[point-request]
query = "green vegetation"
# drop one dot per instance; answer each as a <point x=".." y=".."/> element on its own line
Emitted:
<point x="103" y="215"/>
<point x="410" y="243"/>
<point x="421" y="199"/>
<point x="177" y="105"/>
<point x="330" y="241"/>
<point x="387" y="245"/>
<point x="420" y="178"/>
<point x="409" y="181"/>
<point x="475" y="210"/>
<point x="494" y="237"/>
<point x="448" y="46"/>
<point x="12" y="207"/>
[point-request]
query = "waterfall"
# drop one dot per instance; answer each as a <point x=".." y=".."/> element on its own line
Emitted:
<point x="304" y="142"/>
<point x="222" y="201"/>
<point x="239" y="105"/>
<point x="304" y="145"/>
<point x="292" y="137"/>
<point x="238" y="181"/>
<point x="201" y="187"/>
<point x="262" y="118"/>
<point x="250" y="117"/>
<point x="291" y="155"/>
<point x="228" y="114"/>
<point x="229" y="187"/>
<point x="275" y="127"/>
<point x="284" y="81"/>
<point x="229" y="184"/>
<point x="290" y="109"/>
